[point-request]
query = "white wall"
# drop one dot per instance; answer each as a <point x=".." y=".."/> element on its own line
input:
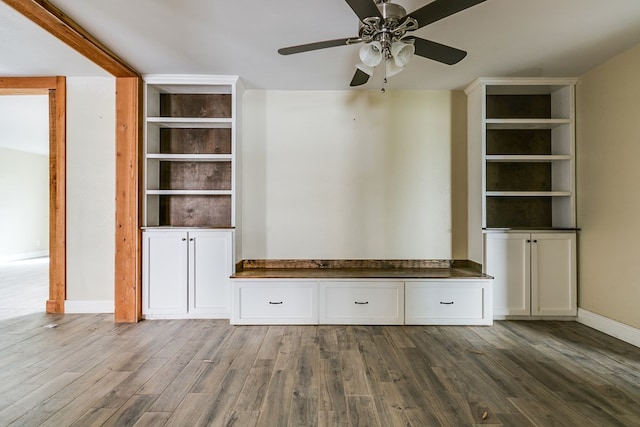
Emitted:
<point x="608" y="136"/>
<point x="349" y="174"/>
<point x="24" y="211"/>
<point x="90" y="192"/>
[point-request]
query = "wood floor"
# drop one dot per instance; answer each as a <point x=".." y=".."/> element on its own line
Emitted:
<point x="84" y="370"/>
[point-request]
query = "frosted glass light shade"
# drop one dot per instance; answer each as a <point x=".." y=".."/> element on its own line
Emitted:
<point x="371" y="53"/>
<point x="391" y="68"/>
<point x="402" y="53"/>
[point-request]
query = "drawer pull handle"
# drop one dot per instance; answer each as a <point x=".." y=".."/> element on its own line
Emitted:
<point x="361" y="302"/>
<point x="446" y="303"/>
<point x="275" y="302"/>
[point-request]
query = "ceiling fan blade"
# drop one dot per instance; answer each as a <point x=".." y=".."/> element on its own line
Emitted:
<point x="439" y="9"/>
<point x="314" y="46"/>
<point x="364" y="8"/>
<point x="359" y="78"/>
<point x="438" y="52"/>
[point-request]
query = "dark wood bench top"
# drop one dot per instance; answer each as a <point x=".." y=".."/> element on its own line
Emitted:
<point x="358" y="269"/>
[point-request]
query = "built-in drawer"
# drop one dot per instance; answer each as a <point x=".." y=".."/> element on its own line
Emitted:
<point x="274" y="302"/>
<point x="448" y="302"/>
<point x="361" y="302"/>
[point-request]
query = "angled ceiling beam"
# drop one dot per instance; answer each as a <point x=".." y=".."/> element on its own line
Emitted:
<point x="53" y="20"/>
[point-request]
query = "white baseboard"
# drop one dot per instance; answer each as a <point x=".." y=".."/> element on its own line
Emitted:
<point x="88" y="307"/>
<point x="23" y="256"/>
<point x="610" y="327"/>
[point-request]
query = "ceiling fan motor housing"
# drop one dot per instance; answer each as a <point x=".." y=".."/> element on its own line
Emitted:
<point x="387" y="28"/>
<point x="391" y="11"/>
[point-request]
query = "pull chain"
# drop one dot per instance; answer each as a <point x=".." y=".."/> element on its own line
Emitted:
<point x="384" y="82"/>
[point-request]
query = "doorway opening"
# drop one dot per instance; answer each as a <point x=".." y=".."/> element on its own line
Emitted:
<point x="54" y="91"/>
<point x="24" y="216"/>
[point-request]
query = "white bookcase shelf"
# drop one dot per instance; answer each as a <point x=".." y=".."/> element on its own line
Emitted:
<point x="190" y="122"/>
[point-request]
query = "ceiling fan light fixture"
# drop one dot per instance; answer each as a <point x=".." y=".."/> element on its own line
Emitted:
<point x="371" y="53"/>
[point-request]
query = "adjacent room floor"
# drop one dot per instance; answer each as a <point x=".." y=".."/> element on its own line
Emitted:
<point x="24" y="287"/>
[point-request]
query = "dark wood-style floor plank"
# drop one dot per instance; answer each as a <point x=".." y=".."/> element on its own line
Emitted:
<point x="89" y="371"/>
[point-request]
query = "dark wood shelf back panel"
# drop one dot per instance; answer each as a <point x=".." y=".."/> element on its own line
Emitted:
<point x="519" y="141"/>
<point x="519" y="212"/>
<point x="519" y="176"/>
<point x="518" y="106"/>
<point x="195" y="175"/>
<point x="195" y="105"/>
<point x="195" y="141"/>
<point x="195" y="211"/>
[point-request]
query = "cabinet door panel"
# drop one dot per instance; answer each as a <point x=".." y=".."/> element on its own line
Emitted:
<point x="165" y="273"/>
<point x="507" y="259"/>
<point x="553" y="262"/>
<point x="210" y="266"/>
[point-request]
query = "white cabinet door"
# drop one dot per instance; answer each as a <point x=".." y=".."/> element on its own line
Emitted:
<point x="507" y="259"/>
<point x="210" y="268"/>
<point x="164" y="272"/>
<point x="553" y="274"/>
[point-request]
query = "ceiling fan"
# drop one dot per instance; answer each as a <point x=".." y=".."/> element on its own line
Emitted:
<point x="384" y="28"/>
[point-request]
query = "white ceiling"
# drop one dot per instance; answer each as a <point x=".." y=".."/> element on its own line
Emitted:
<point x="240" y="37"/>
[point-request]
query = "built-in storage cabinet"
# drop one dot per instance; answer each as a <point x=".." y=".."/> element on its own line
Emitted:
<point x="186" y="273"/>
<point x="534" y="273"/>
<point x="362" y="301"/>
<point x="190" y="151"/>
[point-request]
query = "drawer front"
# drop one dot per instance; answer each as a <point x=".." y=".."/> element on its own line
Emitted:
<point x="266" y="302"/>
<point x="373" y="303"/>
<point x="448" y="303"/>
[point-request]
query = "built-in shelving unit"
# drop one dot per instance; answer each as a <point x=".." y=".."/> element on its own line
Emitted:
<point x="523" y="141"/>
<point x="521" y="192"/>
<point x="190" y="151"/>
<point x="190" y="217"/>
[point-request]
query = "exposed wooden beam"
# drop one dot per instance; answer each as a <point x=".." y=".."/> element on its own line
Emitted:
<point x="27" y="85"/>
<point x="128" y="240"/>
<point x="52" y="19"/>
